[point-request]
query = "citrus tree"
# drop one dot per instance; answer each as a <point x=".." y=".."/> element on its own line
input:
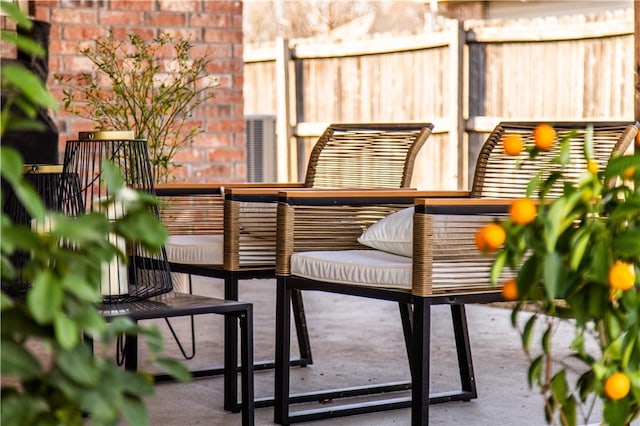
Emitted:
<point x="577" y="260"/>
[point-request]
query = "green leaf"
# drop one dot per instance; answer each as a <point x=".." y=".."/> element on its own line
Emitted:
<point x="546" y="341"/>
<point x="527" y="332"/>
<point x="86" y="229"/>
<point x="628" y="243"/>
<point x="534" y="185"/>
<point x="81" y="288"/>
<point x="154" y="338"/>
<point x="568" y="410"/>
<point x="5" y="302"/>
<point x="585" y="385"/>
<point x="11" y="169"/>
<point x="579" y="243"/>
<point x="45" y="297"/>
<point x="630" y="345"/>
<point x="101" y="408"/>
<point x="28" y="84"/>
<point x="122" y="325"/>
<point x="22" y="410"/>
<point x="559" y="386"/>
<point x="18" y="362"/>
<point x="535" y="371"/>
<point x="66" y="331"/>
<point x="137" y="383"/>
<point x="615" y="412"/>
<point x="112" y="176"/>
<point x="552" y="270"/>
<point x="144" y="228"/>
<point x="564" y="157"/>
<point x="90" y="320"/>
<point x="617" y="165"/>
<point x="16" y="14"/>
<point x="175" y="368"/>
<point x="135" y="411"/>
<point x="528" y="276"/>
<point x="560" y="217"/>
<point x="496" y="267"/>
<point x="80" y="366"/>
<point x="25" y="44"/>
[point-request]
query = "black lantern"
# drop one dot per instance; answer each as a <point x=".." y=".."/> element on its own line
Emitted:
<point x="59" y="191"/>
<point x="144" y="275"/>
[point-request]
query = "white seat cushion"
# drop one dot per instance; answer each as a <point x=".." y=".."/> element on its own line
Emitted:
<point x="195" y="249"/>
<point x="360" y="267"/>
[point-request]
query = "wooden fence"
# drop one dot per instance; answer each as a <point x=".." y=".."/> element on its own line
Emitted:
<point x="464" y="78"/>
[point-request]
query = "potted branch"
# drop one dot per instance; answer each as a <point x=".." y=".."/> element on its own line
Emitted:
<point x="148" y="92"/>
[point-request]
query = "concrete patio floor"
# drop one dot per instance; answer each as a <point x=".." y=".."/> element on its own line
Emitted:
<point x="355" y="342"/>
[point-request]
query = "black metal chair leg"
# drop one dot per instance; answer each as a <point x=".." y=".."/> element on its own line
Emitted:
<point x="184" y="353"/>
<point x="231" y="346"/>
<point x="246" y="355"/>
<point x="420" y="354"/>
<point x="405" y="317"/>
<point x="304" y="344"/>
<point x="130" y="352"/>
<point x="463" y="348"/>
<point x="283" y="342"/>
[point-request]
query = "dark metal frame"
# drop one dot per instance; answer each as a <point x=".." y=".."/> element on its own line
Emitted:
<point x="182" y="304"/>
<point x="418" y="344"/>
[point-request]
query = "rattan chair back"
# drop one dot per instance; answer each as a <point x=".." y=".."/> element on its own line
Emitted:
<point x="366" y="155"/>
<point x="496" y="174"/>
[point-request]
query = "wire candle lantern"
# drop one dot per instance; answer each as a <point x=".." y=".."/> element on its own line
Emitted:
<point x="59" y="191"/>
<point x="145" y="274"/>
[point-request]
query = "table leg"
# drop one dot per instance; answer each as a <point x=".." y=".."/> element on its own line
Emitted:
<point x="246" y="350"/>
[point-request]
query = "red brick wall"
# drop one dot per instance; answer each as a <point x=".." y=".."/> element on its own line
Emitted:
<point x="218" y="154"/>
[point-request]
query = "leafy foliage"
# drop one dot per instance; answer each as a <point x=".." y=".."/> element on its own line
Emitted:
<point x="49" y="374"/>
<point x="150" y="93"/>
<point x="563" y="259"/>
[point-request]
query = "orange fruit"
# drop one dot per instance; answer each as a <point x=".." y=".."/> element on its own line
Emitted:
<point x="522" y="211"/>
<point x="629" y="172"/>
<point x="512" y="144"/>
<point x="638" y="139"/>
<point x="622" y="276"/>
<point x="510" y="290"/>
<point x="544" y="135"/>
<point x="617" y="386"/>
<point x="490" y="237"/>
<point x="593" y="166"/>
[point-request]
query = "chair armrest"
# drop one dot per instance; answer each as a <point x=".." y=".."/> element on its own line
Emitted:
<point x="263" y="193"/>
<point x="187" y="189"/>
<point x="445" y="256"/>
<point x="319" y="197"/>
<point x="462" y="206"/>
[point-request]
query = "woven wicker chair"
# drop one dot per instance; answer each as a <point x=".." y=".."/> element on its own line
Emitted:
<point x="444" y="266"/>
<point x="229" y="231"/>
